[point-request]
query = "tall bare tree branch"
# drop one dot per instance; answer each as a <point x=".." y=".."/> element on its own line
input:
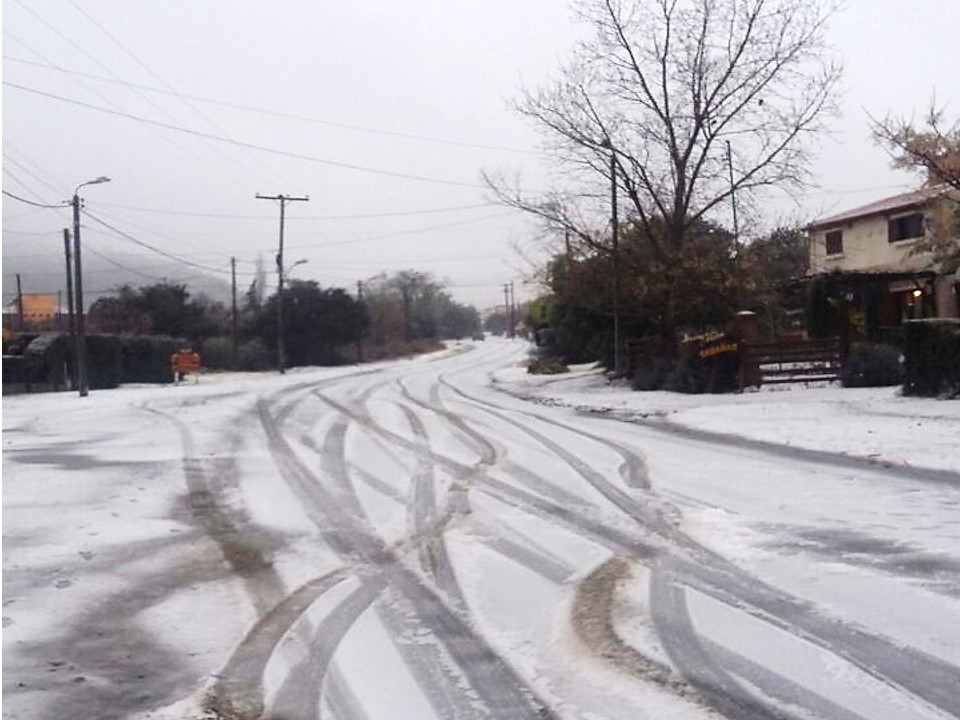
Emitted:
<point x="665" y="84"/>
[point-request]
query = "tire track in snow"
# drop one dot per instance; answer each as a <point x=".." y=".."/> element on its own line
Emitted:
<point x="805" y="455"/>
<point x="430" y="665"/>
<point x="671" y="618"/>
<point x="489" y="456"/>
<point x="422" y="511"/>
<point x="916" y="672"/>
<point x="299" y="695"/>
<point x="238" y="690"/>
<point x="230" y="531"/>
<point x="495" y="682"/>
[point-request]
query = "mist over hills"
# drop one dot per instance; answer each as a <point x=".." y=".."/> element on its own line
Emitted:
<point x="46" y="273"/>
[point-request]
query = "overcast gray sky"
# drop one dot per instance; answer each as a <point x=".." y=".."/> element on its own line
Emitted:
<point x="384" y="113"/>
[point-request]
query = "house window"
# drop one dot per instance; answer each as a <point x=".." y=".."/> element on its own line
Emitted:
<point x="907" y="227"/>
<point x="834" y="240"/>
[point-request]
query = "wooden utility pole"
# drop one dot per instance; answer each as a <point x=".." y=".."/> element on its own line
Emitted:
<point x="234" y="339"/>
<point x="83" y="383"/>
<point x="360" y="337"/>
<point x="733" y="200"/>
<point x="83" y="375"/>
<point x="513" y="312"/>
<point x="615" y="232"/>
<point x="281" y="349"/>
<point x="506" y="310"/>
<point x="71" y="322"/>
<point x="19" y="305"/>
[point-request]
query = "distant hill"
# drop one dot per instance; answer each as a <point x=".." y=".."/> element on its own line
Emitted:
<point x="47" y="274"/>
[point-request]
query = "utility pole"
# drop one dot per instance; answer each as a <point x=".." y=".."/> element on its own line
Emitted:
<point x="281" y="349"/>
<point x="81" y="342"/>
<point x="234" y="340"/>
<point x="506" y="310"/>
<point x="83" y="380"/>
<point x="19" y="305"/>
<point x="71" y="324"/>
<point x="733" y="200"/>
<point x="360" y="338"/>
<point x="513" y="312"/>
<point x="615" y="232"/>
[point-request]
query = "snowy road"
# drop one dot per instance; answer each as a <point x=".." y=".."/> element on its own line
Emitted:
<point x="405" y="541"/>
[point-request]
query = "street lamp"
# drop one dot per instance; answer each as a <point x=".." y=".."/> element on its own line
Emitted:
<point x="298" y="262"/>
<point x="81" y="338"/>
<point x="615" y="233"/>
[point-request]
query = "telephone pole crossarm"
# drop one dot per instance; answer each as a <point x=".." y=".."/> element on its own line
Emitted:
<point x="283" y="200"/>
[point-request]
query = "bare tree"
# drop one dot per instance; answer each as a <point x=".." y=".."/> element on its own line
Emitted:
<point x="687" y="103"/>
<point x="933" y="147"/>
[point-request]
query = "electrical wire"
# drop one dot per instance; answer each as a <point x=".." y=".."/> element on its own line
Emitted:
<point x="126" y="236"/>
<point x="230" y="177"/>
<point x="272" y="218"/>
<point x="9" y="194"/>
<point x="287" y="116"/>
<point x="241" y="143"/>
<point x="399" y="233"/>
<point x="113" y="262"/>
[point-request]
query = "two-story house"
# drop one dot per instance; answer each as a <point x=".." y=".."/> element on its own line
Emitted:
<point x="877" y="255"/>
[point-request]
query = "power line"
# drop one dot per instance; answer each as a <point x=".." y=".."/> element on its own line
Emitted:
<point x="168" y="86"/>
<point x="241" y="143"/>
<point x="229" y="176"/>
<point x="160" y="233"/>
<point x="31" y="202"/>
<point x="287" y="116"/>
<point x="35" y="175"/>
<point x="153" y="248"/>
<point x="113" y="262"/>
<point x="357" y="216"/>
<point x="412" y="231"/>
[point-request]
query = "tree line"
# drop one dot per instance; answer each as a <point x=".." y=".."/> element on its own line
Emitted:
<point x="398" y="313"/>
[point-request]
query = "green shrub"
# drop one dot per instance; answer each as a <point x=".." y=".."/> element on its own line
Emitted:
<point x="104" y="361"/>
<point x="872" y="366"/>
<point x="49" y="359"/>
<point x="932" y="357"/>
<point x="546" y="366"/>
<point x="217" y="353"/>
<point x="254" y="356"/>
<point x="652" y="374"/>
<point x="146" y="358"/>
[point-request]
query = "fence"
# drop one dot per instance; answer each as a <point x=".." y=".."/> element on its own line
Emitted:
<point x="787" y="362"/>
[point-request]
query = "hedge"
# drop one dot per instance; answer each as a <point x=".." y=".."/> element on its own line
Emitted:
<point x="870" y="365"/>
<point x="49" y="360"/>
<point x="146" y="358"/>
<point x="104" y="362"/>
<point x="932" y="357"/>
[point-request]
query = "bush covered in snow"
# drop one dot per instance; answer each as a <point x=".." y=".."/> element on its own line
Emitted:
<point x="547" y="366"/>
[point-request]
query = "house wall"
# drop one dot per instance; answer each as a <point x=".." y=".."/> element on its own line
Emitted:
<point x="865" y="246"/>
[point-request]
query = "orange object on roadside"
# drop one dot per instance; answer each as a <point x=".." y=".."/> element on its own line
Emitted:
<point x="185" y="361"/>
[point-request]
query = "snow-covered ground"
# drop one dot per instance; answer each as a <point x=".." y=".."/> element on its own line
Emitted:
<point x="450" y="537"/>
<point x="874" y="423"/>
